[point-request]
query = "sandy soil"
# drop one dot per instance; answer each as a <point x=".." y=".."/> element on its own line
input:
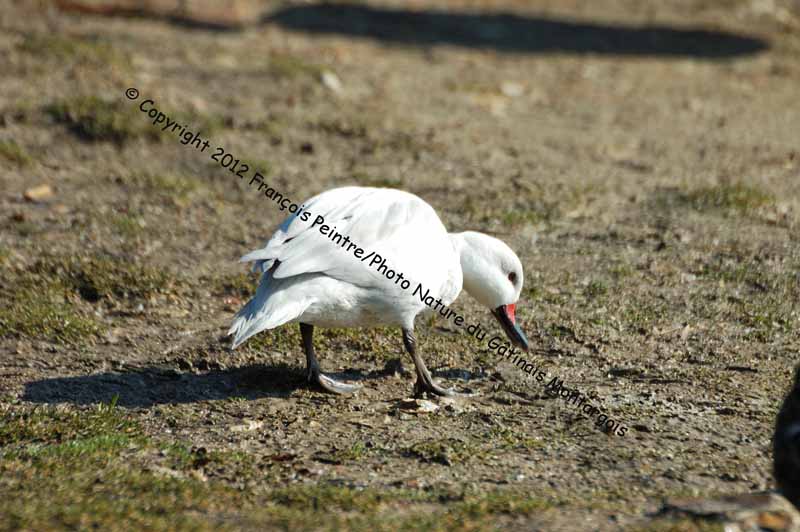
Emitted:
<point x="641" y="158"/>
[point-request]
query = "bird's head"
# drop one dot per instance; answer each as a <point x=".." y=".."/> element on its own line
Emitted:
<point x="493" y="276"/>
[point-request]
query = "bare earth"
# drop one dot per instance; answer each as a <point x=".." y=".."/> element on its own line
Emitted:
<point x="640" y="157"/>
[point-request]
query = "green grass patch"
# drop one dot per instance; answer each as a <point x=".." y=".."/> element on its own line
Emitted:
<point x="751" y="273"/>
<point x="43" y="300"/>
<point x="291" y="67"/>
<point x="520" y="217"/>
<point x="679" y="525"/>
<point x="95" y="119"/>
<point x="94" y="468"/>
<point x="352" y="453"/>
<point x="328" y="497"/>
<point x="37" y="316"/>
<point x="595" y="289"/>
<point x="509" y="439"/>
<point x="764" y="317"/>
<point x="368" y="180"/>
<point x="448" y="451"/>
<point x="262" y="166"/>
<point x="499" y="502"/>
<point x="36" y="307"/>
<point x="13" y="152"/>
<point x="127" y="226"/>
<point x="100" y="276"/>
<point x="641" y="316"/>
<point x="536" y="205"/>
<point x="770" y="295"/>
<point x="161" y="184"/>
<point x="377" y="509"/>
<point x="21" y="428"/>
<point x="64" y="48"/>
<point x="737" y="196"/>
<point x="205" y="124"/>
<point x="241" y="284"/>
<point x="84" y="470"/>
<point x="282" y="339"/>
<point x="346" y="128"/>
<point x="621" y="270"/>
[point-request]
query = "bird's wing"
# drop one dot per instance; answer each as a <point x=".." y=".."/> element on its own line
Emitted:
<point x="372" y="219"/>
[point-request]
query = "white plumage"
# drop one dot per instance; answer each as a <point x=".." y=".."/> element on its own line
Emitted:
<point x="311" y="279"/>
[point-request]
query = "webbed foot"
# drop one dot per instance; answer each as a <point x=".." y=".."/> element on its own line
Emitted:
<point x="332" y="385"/>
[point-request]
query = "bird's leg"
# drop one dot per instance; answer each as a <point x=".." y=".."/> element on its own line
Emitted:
<point x="424" y="381"/>
<point x="312" y="365"/>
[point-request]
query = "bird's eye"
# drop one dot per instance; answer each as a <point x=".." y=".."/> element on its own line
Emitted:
<point x="512" y="277"/>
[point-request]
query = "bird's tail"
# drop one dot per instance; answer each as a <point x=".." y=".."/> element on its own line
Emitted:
<point x="272" y="306"/>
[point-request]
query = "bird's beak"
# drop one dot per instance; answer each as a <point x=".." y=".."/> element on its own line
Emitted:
<point x="505" y="315"/>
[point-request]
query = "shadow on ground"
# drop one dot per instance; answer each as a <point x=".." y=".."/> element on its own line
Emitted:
<point x="150" y="386"/>
<point x="512" y="33"/>
<point x="158" y="385"/>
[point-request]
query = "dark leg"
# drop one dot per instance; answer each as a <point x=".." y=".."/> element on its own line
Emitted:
<point x="312" y="365"/>
<point x="424" y="380"/>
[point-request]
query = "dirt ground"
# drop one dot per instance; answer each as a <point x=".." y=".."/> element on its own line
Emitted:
<point x="640" y="157"/>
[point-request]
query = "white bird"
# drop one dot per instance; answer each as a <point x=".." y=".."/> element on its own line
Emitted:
<point x="317" y="278"/>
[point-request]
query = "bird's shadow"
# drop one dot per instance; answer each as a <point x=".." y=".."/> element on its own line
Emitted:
<point x="506" y="32"/>
<point x="159" y="385"/>
<point x="149" y="386"/>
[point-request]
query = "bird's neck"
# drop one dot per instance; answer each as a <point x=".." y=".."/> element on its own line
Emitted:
<point x="469" y="265"/>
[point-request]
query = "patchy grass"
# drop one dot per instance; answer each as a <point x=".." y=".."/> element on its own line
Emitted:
<point x="326" y="496"/>
<point x="346" y="128"/>
<point x="765" y="317"/>
<point x="499" y="502"/>
<point x="291" y="67"/>
<point x="374" y="139"/>
<point x="642" y="315"/>
<point x="679" y="525"/>
<point x="749" y="272"/>
<point x="241" y="284"/>
<point x="127" y="226"/>
<point x="595" y="289"/>
<point x="25" y="429"/>
<point x="162" y="185"/>
<point x="512" y="439"/>
<point x="486" y="211"/>
<point x="95" y="119"/>
<point x="101" y="276"/>
<point x="771" y="293"/>
<point x="353" y="453"/>
<point x="98" y="468"/>
<point x="284" y="339"/>
<point x="517" y="218"/>
<point x="448" y="451"/>
<point x="13" y="152"/>
<point x="264" y="167"/>
<point x="205" y="124"/>
<point x="377" y="509"/>
<point x="46" y="319"/>
<point x="89" y="463"/>
<point x="36" y="307"/>
<point x="81" y="49"/>
<point x="621" y="270"/>
<point x="367" y="180"/>
<point x="541" y="204"/>
<point x="35" y="315"/>
<point x="23" y="110"/>
<point x="737" y="196"/>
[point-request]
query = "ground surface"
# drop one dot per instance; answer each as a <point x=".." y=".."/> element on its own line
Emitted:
<point x="649" y="180"/>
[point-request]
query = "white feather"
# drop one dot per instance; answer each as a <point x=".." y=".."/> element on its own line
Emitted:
<point x="309" y="278"/>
